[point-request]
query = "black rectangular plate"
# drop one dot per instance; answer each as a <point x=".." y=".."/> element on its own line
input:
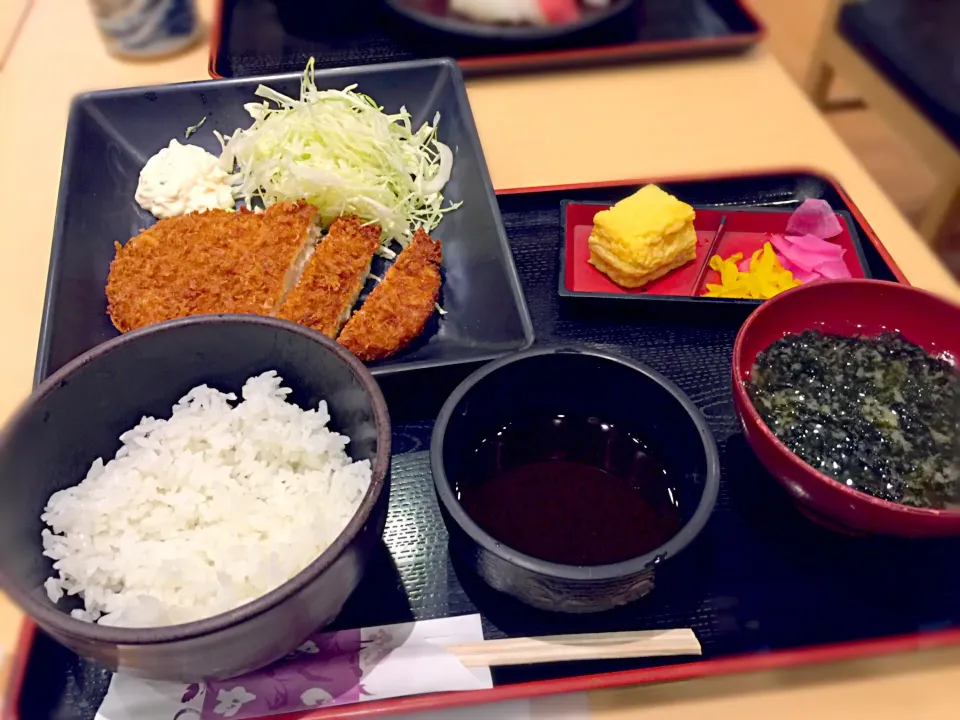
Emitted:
<point x="760" y="582"/>
<point x="253" y="37"/>
<point x="111" y="134"/>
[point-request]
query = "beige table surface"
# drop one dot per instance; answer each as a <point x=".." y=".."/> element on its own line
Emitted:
<point x="12" y="15"/>
<point x="646" y="121"/>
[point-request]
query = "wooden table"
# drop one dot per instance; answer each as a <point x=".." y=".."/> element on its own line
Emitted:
<point x="683" y="118"/>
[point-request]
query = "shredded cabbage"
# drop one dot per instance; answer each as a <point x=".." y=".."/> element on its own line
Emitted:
<point x="193" y="128"/>
<point x="339" y="150"/>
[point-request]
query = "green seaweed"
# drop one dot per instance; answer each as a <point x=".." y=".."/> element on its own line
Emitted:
<point x="877" y="413"/>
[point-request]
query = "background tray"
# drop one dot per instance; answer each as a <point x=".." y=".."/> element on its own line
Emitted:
<point x="255" y="37"/>
<point x="762" y="586"/>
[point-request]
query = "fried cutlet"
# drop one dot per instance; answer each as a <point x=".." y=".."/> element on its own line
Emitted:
<point x="333" y="277"/>
<point x="400" y="305"/>
<point x="211" y="262"/>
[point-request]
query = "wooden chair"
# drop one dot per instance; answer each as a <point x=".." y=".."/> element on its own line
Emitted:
<point x="903" y="58"/>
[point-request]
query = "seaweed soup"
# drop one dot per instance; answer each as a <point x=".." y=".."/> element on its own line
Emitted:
<point x="876" y="413"/>
<point x="570" y="490"/>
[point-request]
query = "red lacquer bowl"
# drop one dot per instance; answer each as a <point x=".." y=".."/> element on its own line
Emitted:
<point x="847" y="307"/>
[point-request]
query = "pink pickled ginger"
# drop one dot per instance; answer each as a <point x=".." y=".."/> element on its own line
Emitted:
<point x="805" y="254"/>
<point x="804" y="249"/>
<point x="798" y="273"/>
<point x="814" y="245"/>
<point x="833" y="269"/>
<point x="810" y="258"/>
<point x="814" y="217"/>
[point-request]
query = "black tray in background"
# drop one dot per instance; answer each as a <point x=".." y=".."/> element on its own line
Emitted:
<point x="256" y="37"/>
<point x="761" y="579"/>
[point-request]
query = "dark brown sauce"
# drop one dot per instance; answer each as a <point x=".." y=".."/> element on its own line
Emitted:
<point x="576" y="491"/>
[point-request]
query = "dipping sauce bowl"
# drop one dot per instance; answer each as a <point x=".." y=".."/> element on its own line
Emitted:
<point x="566" y="476"/>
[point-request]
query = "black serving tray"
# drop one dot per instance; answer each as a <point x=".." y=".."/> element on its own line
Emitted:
<point x="254" y="37"/>
<point x="762" y="586"/>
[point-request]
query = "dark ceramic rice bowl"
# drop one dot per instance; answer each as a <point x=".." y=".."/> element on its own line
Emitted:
<point x="77" y="415"/>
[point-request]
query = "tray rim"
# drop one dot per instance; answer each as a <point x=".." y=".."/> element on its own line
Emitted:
<point x="574" y="57"/>
<point x="735" y="664"/>
<point x="565" y="292"/>
<point x="42" y="360"/>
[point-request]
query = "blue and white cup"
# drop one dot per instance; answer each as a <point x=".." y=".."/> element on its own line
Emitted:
<point x="146" y="28"/>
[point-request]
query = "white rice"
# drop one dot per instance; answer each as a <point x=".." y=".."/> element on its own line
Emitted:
<point x="203" y="512"/>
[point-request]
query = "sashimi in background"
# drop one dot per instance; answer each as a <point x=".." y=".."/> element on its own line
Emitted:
<point x="519" y="12"/>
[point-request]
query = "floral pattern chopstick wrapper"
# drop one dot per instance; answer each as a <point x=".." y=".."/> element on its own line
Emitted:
<point x="328" y="669"/>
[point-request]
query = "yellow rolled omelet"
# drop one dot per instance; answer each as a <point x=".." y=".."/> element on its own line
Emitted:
<point x="643" y="237"/>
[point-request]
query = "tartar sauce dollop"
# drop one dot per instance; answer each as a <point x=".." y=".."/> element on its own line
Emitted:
<point x="181" y="179"/>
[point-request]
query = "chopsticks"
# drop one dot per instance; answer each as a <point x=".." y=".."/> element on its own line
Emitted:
<point x="710" y="249"/>
<point x="560" y="648"/>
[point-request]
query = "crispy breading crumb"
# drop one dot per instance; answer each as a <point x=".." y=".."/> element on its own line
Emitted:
<point x="245" y="262"/>
<point x="211" y="262"/>
<point x="333" y="277"/>
<point x="399" y="307"/>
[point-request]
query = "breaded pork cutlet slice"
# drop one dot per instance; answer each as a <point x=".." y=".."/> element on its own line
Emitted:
<point x="333" y="277"/>
<point x="211" y="262"/>
<point x="400" y="305"/>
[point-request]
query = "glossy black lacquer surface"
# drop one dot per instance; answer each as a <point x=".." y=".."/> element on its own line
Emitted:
<point x="581" y="383"/>
<point x="759" y="579"/>
<point x="78" y="414"/>
<point x="112" y="134"/>
<point x="264" y="36"/>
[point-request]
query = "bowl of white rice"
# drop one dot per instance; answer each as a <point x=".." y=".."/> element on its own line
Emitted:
<point x="190" y="500"/>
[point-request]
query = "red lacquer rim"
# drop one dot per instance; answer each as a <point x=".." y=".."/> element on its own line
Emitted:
<point x="559" y="58"/>
<point x="704" y="668"/>
<point x="671" y="673"/>
<point x="216" y="29"/>
<point x="10" y="700"/>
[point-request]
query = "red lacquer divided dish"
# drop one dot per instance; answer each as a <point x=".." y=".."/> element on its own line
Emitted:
<point x="745" y="231"/>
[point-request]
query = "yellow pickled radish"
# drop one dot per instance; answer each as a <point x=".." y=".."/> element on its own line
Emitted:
<point x="765" y="277"/>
